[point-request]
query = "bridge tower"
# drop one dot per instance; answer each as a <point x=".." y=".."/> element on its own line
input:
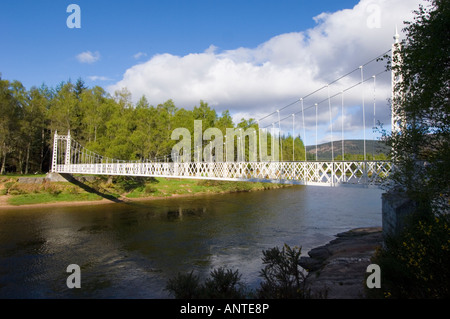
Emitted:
<point x="55" y="152"/>
<point x="68" y="146"/>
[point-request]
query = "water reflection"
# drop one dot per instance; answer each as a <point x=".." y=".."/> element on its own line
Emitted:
<point x="129" y="250"/>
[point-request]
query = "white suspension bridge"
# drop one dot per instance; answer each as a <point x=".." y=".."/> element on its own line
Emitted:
<point x="70" y="157"/>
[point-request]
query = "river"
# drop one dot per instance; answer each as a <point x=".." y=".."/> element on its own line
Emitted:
<point x="129" y="250"/>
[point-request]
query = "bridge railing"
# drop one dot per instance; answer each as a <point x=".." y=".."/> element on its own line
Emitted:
<point x="327" y="173"/>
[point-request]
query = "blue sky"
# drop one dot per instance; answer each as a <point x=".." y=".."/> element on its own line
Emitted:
<point x="37" y="46"/>
<point x="249" y="57"/>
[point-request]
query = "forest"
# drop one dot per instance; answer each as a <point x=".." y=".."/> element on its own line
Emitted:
<point x="107" y="124"/>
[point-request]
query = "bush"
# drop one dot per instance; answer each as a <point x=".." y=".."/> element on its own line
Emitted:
<point x="6" y="188"/>
<point x="16" y="189"/>
<point x="415" y="263"/>
<point x="149" y="189"/>
<point x="51" y="188"/>
<point x="184" y="286"/>
<point x="12" y="191"/>
<point x="222" y="284"/>
<point x="74" y="190"/>
<point x="283" y="276"/>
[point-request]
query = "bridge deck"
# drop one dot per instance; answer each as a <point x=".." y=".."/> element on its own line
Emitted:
<point x="362" y="173"/>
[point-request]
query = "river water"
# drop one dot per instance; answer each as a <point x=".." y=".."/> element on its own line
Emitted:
<point x="130" y="250"/>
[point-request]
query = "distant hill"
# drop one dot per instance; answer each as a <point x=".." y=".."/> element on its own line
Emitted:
<point x="350" y="147"/>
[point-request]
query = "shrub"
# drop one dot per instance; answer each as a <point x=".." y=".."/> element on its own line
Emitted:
<point x="51" y="188"/>
<point x="415" y="263"/>
<point x="223" y="284"/>
<point x="74" y="190"/>
<point x="16" y="189"/>
<point x="149" y="189"/>
<point x="7" y="186"/>
<point x="282" y="274"/>
<point x="283" y="278"/>
<point x="184" y="286"/>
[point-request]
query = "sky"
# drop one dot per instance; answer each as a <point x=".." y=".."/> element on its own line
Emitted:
<point x="250" y="57"/>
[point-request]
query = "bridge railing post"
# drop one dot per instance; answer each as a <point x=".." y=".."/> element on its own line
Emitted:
<point x="68" y="146"/>
<point x="332" y="173"/>
<point x="55" y="152"/>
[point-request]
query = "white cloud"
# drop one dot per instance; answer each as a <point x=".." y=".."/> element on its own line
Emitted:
<point x="139" y="55"/>
<point x="252" y="82"/>
<point x="98" y="78"/>
<point x="88" y="57"/>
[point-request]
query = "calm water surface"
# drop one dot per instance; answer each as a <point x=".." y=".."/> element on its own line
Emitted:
<point x="130" y="250"/>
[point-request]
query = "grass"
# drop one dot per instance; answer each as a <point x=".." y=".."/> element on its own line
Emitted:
<point x="27" y="199"/>
<point x="46" y="192"/>
<point x="16" y="175"/>
<point x="162" y="187"/>
<point x="115" y="187"/>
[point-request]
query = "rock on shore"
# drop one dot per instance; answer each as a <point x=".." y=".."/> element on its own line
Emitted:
<point x="337" y="270"/>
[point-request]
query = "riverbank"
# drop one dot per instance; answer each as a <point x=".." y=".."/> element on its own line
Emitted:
<point x="19" y="192"/>
<point x="337" y="270"/>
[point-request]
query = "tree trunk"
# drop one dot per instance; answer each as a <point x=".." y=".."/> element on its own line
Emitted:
<point x="19" y="168"/>
<point x="27" y="160"/>
<point x="2" y="170"/>
<point x="42" y="149"/>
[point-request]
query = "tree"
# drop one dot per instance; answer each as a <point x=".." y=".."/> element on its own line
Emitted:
<point x="19" y="139"/>
<point x="33" y="128"/>
<point x="91" y="101"/>
<point x="296" y="154"/>
<point x="10" y="115"/>
<point x="421" y="149"/>
<point x="64" y="111"/>
<point x="204" y="113"/>
<point x="413" y="259"/>
<point x="225" y="121"/>
<point x="80" y="87"/>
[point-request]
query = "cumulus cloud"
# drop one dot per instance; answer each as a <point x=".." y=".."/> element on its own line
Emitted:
<point x="252" y="82"/>
<point x="98" y="78"/>
<point x="139" y="55"/>
<point x="88" y="57"/>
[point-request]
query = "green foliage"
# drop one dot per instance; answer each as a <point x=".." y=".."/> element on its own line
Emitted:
<point x="415" y="263"/>
<point x="289" y="153"/>
<point x="110" y="125"/>
<point x="184" y="286"/>
<point x="149" y="188"/>
<point x="422" y="144"/>
<point x="360" y="157"/>
<point x="27" y="199"/>
<point x="222" y="284"/>
<point x="283" y="279"/>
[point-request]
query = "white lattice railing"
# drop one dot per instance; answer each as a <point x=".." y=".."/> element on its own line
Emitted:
<point x="304" y="173"/>
<point x="70" y="157"/>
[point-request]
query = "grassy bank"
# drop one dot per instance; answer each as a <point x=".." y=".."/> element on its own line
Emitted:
<point x="93" y="188"/>
<point x="161" y="187"/>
